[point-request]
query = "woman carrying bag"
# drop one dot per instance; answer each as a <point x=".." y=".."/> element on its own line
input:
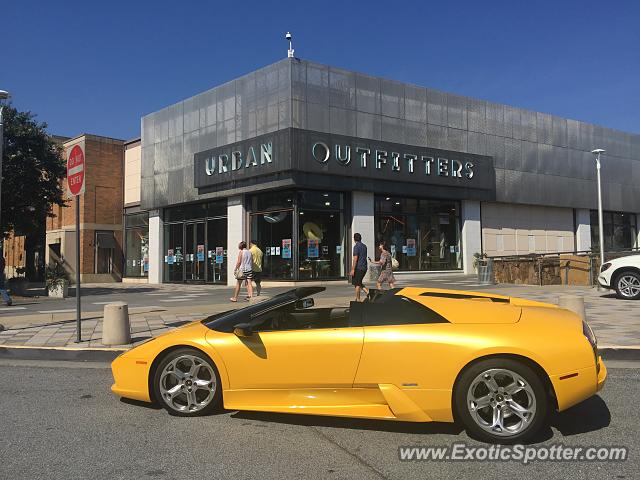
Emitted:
<point x="243" y="272"/>
<point x="386" y="262"/>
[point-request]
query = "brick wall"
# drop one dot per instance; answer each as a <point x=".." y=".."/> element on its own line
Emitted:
<point x="101" y="205"/>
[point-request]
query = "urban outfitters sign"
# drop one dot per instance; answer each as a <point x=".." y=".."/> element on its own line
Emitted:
<point x="366" y="157"/>
<point x="307" y="158"/>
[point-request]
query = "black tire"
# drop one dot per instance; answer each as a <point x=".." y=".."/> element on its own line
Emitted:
<point x="194" y="400"/>
<point x="471" y="418"/>
<point x="627" y="285"/>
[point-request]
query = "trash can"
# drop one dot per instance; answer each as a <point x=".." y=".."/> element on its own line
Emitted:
<point x="485" y="271"/>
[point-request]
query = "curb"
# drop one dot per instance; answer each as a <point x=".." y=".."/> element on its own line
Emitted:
<point x="60" y="353"/>
<point x="619" y="353"/>
<point x="109" y="354"/>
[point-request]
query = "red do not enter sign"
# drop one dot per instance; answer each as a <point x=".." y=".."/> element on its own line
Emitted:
<point x="75" y="171"/>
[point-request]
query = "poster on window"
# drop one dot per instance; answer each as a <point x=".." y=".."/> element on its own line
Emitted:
<point x="200" y="253"/>
<point x="178" y="256"/>
<point x="411" y="247"/>
<point x="219" y="255"/>
<point x="286" y="248"/>
<point x="313" y="247"/>
<point x="170" y="258"/>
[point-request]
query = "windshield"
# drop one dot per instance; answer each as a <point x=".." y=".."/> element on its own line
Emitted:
<point x="224" y="322"/>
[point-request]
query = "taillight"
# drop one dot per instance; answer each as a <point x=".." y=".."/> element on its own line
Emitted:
<point x="591" y="337"/>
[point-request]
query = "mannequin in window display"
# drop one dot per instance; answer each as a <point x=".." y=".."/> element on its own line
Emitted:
<point x="314" y="233"/>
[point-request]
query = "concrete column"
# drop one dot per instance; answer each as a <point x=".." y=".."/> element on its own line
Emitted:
<point x="362" y="206"/>
<point x="236" y="228"/>
<point x="583" y="229"/>
<point x="156" y="246"/>
<point x="471" y="233"/>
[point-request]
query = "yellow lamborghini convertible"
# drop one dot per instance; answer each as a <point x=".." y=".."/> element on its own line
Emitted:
<point x="496" y="364"/>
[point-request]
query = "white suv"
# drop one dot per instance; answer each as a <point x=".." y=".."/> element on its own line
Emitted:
<point x="623" y="275"/>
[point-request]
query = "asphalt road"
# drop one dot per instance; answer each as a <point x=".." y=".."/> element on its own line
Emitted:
<point x="59" y="420"/>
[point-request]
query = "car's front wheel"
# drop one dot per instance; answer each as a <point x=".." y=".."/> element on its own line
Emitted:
<point x="187" y="383"/>
<point x="627" y="285"/>
<point x="501" y="401"/>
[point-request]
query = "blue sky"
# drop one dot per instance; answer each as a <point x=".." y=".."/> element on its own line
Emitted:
<point x="97" y="67"/>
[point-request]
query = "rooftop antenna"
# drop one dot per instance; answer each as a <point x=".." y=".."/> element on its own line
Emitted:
<point x="288" y="36"/>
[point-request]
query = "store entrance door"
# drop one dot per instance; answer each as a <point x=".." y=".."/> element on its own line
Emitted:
<point x="194" y="252"/>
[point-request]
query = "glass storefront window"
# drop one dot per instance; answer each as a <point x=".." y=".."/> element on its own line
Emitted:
<point x="136" y="241"/>
<point x="272" y="233"/>
<point x="301" y="234"/>
<point x="195" y="243"/>
<point x="422" y="234"/>
<point x="620" y="231"/>
<point x="320" y="235"/>
<point x="195" y="210"/>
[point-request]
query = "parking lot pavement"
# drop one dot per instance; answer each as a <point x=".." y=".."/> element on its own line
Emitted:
<point x="61" y="421"/>
<point x="155" y="309"/>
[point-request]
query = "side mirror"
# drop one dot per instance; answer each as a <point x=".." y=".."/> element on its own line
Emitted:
<point x="243" y="330"/>
<point x="304" y="303"/>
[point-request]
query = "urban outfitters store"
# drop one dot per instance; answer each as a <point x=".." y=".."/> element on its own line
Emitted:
<point x="298" y="156"/>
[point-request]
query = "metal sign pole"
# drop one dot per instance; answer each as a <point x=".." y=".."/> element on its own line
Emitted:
<point x="78" y="315"/>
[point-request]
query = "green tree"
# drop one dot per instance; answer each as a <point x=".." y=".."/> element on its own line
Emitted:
<point x="32" y="169"/>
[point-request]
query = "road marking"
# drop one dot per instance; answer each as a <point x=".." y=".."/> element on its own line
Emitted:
<point x="177" y="300"/>
<point x="144" y="308"/>
<point x="12" y="308"/>
<point x="104" y="303"/>
<point x="67" y="310"/>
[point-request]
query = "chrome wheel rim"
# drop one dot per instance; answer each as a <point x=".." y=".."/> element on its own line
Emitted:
<point x="501" y="402"/>
<point x="629" y="285"/>
<point x="188" y="384"/>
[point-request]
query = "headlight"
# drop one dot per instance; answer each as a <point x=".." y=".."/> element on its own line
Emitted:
<point x="605" y="266"/>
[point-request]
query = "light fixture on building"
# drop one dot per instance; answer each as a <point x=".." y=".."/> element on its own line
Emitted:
<point x="325" y="194"/>
<point x="327" y="204"/>
<point x="289" y="37"/>
<point x="388" y="198"/>
<point x="301" y="213"/>
<point x="397" y="203"/>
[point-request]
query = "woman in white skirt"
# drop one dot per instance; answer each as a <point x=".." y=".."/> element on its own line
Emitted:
<point x="243" y="272"/>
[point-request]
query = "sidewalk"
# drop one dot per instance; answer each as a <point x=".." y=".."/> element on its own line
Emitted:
<point x="615" y="322"/>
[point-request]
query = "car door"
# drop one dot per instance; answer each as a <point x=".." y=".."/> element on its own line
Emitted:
<point x="401" y="344"/>
<point x="290" y="358"/>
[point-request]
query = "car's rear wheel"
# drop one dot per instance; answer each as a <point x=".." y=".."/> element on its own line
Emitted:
<point x="187" y="383"/>
<point x="501" y="400"/>
<point x="628" y="285"/>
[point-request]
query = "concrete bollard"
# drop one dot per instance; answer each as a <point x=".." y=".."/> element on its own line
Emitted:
<point x="573" y="303"/>
<point x="115" y="326"/>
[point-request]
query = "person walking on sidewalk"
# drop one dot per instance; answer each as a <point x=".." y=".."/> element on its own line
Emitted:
<point x="386" y="274"/>
<point x="359" y="265"/>
<point x="256" y="265"/>
<point x="243" y="272"/>
<point x="3" y="291"/>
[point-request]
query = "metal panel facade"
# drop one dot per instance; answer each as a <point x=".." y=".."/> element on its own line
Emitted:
<point x="538" y="158"/>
